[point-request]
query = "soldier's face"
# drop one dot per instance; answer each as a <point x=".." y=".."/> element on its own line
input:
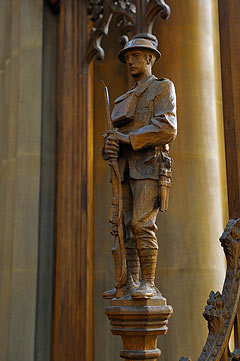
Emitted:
<point x="138" y="63"/>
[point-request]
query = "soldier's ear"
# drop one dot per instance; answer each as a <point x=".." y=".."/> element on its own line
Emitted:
<point x="153" y="59"/>
<point x="149" y="58"/>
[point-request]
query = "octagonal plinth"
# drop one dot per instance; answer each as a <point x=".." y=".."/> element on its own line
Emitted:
<point x="139" y="323"/>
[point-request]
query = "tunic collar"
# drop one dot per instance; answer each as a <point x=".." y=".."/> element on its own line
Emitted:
<point x="138" y="89"/>
<point x="143" y="84"/>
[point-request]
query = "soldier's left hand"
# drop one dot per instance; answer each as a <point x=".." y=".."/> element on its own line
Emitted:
<point x="123" y="138"/>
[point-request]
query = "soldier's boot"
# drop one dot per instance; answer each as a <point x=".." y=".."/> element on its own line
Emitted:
<point x="110" y="294"/>
<point x="148" y="261"/>
<point x="132" y="280"/>
<point x="133" y="267"/>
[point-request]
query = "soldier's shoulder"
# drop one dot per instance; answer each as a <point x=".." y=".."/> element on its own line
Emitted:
<point x="163" y="83"/>
<point x="123" y="96"/>
<point x="161" y="79"/>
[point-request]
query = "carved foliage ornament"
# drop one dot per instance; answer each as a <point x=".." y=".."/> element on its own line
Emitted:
<point x="132" y="16"/>
<point x="221" y="310"/>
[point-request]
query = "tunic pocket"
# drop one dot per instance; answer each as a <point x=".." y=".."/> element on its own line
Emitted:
<point x="124" y="109"/>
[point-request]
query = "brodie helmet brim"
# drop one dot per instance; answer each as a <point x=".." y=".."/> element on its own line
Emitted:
<point x="141" y="44"/>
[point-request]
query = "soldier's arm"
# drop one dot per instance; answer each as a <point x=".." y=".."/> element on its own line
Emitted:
<point x="163" y="127"/>
<point x="110" y="145"/>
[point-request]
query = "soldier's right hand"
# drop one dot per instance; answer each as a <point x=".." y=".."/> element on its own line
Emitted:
<point x="111" y="145"/>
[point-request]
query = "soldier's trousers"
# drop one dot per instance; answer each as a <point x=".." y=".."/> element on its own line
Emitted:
<point x="140" y="210"/>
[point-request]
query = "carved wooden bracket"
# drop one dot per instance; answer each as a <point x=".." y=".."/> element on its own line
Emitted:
<point x="222" y="311"/>
<point x="139" y="323"/>
<point x="133" y="17"/>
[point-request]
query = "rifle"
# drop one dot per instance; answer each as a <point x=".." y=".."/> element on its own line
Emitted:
<point x="116" y="212"/>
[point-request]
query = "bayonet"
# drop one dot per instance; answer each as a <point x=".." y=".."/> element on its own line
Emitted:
<point x="107" y="105"/>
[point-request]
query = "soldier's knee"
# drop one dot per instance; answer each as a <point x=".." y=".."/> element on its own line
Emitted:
<point x="136" y="226"/>
<point x="140" y="226"/>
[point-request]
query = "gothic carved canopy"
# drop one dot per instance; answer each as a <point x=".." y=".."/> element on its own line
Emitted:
<point x="131" y="16"/>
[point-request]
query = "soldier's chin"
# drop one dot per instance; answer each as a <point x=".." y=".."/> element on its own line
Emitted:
<point x="135" y="75"/>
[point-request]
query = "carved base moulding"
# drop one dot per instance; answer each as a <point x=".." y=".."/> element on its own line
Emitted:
<point x="139" y="323"/>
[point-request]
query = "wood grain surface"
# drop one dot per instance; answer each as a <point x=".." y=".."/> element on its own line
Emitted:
<point x="229" y="20"/>
<point x="73" y="302"/>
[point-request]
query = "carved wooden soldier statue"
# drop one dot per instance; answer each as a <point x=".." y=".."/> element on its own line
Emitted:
<point x="144" y="121"/>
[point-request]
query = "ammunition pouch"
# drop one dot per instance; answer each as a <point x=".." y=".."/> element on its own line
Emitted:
<point x="164" y="183"/>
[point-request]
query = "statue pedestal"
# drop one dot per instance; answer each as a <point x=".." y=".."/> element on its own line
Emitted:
<point x="139" y="323"/>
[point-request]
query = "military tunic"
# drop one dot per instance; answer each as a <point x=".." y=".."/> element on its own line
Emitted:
<point x="147" y="113"/>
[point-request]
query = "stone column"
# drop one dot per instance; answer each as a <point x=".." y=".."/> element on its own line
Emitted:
<point x="21" y="29"/>
<point x="191" y="261"/>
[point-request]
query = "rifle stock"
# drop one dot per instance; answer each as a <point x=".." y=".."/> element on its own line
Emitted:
<point x="116" y="218"/>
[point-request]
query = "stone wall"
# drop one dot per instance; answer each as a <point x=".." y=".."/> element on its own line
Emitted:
<point x="24" y="189"/>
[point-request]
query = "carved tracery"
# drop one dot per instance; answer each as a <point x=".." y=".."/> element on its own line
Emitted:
<point x="132" y="16"/>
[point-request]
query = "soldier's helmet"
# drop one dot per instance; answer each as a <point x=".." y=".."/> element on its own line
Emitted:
<point x="141" y="42"/>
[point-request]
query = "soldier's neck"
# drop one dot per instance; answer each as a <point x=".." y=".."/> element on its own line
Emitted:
<point x="141" y="78"/>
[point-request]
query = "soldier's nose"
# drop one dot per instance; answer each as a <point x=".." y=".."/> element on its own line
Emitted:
<point x="130" y="60"/>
